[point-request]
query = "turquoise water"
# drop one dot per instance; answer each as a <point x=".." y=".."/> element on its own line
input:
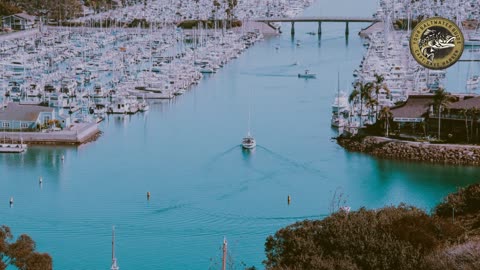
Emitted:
<point x="203" y="186"/>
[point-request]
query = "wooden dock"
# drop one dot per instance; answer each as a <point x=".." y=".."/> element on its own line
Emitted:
<point x="78" y="134"/>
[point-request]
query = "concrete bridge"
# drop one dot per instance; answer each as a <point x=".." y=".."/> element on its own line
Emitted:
<point x="318" y="19"/>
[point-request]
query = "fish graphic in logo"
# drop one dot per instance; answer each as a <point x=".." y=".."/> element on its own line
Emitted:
<point x="436" y="43"/>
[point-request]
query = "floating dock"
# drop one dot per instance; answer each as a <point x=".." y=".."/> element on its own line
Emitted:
<point x="77" y="134"/>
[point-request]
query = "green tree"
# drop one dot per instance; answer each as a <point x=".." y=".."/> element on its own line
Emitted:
<point x="8" y="9"/>
<point x="21" y="253"/>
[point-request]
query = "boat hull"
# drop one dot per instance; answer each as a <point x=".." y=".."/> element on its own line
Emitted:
<point x="13" y="148"/>
<point x="249" y="146"/>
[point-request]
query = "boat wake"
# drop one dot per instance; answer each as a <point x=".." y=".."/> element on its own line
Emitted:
<point x="169" y="208"/>
<point x="230" y="216"/>
<point x="304" y="166"/>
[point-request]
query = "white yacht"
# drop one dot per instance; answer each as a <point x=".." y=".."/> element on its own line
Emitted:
<point x="98" y="92"/>
<point x="33" y="90"/>
<point x="340" y="103"/>
<point x="119" y="106"/>
<point x="143" y="106"/>
<point x="68" y="86"/>
<point x="340" y="107"/>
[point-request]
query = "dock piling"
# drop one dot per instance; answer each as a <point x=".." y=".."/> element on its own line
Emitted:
<point x="293" y="29"/>
<point x="319" y="28"/>
<point x="346" y="29"/>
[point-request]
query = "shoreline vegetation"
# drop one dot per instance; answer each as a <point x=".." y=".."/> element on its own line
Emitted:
<point x="395" y="149"/>
<point x="392" y="237"/>
<point x="21" y="253"/>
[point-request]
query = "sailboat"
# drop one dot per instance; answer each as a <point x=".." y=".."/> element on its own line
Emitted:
<point x="339" y="107"/>
<point x="114" y="260"/>
<point x="248" y="141"/>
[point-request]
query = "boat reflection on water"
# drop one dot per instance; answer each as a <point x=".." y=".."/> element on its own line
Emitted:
<point x="247" y="153"/>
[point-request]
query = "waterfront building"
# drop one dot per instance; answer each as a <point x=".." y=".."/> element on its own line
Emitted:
<point x="458" y="121"/>
<point x="19" y="21"/>
<point x="15" y="117"/>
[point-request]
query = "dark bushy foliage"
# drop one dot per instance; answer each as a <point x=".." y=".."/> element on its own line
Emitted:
<point x="462" y="257"/>
<point x="390" y="238"/>
<point x="21" y="253"/>
<point x="466" y="201"/>
<point x="8" y="9"/>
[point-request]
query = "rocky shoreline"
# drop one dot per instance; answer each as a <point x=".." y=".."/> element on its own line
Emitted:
<point x="413" y="151"/>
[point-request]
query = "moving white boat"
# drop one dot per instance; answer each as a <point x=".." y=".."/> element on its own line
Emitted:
<point x="307" y="75"/>
<point x="249" y="142"/>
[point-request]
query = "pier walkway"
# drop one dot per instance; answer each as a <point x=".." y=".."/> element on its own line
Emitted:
<point x="78" y="134"/>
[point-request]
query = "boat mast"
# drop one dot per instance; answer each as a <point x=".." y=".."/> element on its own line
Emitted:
<point x="224" y="257"/>
<point x="338" y="88"/>
<point x="114" y="260"/>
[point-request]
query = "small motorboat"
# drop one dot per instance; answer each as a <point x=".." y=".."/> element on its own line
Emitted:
<point x="249" y="142"/>
<point x="307" y="75"/>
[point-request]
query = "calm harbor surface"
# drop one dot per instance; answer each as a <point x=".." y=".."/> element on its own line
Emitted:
<point x="203" y="186"/>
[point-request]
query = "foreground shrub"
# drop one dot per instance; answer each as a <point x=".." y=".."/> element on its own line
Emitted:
<point x="462" y="257"/>
<point x="389" y="238"/>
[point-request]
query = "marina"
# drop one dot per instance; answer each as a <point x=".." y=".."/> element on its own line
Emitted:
<point x="172" y="107"/>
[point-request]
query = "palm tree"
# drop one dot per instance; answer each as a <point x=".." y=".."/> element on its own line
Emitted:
<point x="378" y="85"/>
<point x="466" y="113"/>
<point x="371" y="103"/>
<point x="441" y="100"/>
<point x="365" y="92"/>
<point x="353" y="96"/>
<point x="385" y="115"/>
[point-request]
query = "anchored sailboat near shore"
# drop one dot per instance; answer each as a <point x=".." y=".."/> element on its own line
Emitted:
<point x="340" y="107"/>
